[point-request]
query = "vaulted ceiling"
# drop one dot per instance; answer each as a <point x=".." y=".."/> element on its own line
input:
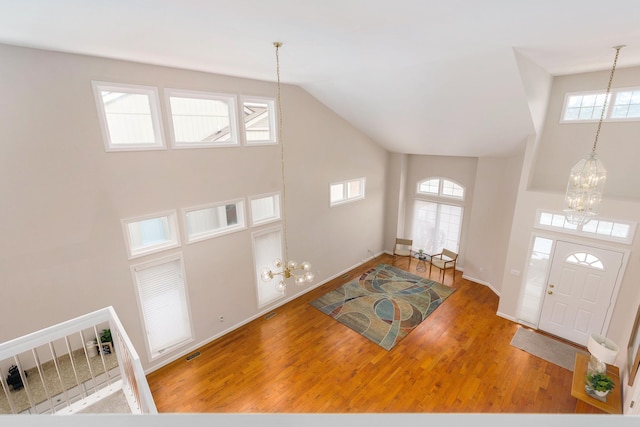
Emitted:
<point x="417" y="76"/>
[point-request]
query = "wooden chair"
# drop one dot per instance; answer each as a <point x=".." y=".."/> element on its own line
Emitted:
<point x="402" y="248"/>
<point x="444" y="261"/>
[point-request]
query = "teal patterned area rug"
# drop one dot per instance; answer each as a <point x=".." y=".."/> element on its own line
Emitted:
<point x="384" y="304"/>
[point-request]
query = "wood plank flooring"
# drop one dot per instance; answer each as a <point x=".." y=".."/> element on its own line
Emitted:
<point x="302" y="361"/>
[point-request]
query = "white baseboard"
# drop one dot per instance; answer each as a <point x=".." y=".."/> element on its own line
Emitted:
<point x="482" y="282"/>
<point x="506" y="316"/>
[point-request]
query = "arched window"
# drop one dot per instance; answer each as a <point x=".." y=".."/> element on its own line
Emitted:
<point x="441" y="187"/>
<point x="585" y="259"/>
<point x="437" y="215"/>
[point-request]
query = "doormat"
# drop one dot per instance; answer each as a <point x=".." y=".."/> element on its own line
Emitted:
<point x="546" y="348"/>
<point x="384" y="304"/>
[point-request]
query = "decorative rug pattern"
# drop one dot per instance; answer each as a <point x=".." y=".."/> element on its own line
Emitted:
<point x="384" y="304"/>
<point x="545" y="347"/>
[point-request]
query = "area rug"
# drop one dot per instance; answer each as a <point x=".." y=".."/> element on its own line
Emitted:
<point x="384" y="304"/>
<point x="546" y="348"/>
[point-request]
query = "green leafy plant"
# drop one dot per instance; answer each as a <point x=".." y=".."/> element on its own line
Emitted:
<point x="600" y="382"/>
<point x="106" y="336"/>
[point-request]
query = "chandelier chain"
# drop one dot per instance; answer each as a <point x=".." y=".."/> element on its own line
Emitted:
<point x="606" y="98"/>
<point x="281" y="137"/>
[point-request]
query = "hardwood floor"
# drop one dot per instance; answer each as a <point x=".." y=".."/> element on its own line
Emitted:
<point x="302" y="361"/>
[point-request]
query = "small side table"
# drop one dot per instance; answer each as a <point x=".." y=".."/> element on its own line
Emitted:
<point x="591" y="405"/>
<point x="422" y="262"/>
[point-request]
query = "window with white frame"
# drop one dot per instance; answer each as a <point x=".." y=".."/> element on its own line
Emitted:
<point x="623" y="104"/>
<point x="267" y="246"/>
<point x="129" y="116"/>
<point x="202" y="119"/>
<point x="346" y="191"/>
<point x="259" y="119"/>
<point x="207" y="221"/>
<point x="437" y="215"/>
<point x="264" y="208"/>
<point x="535" y="280"/>
<point x="441" y="187"/>
<point x="597" y="228"/>
<point x="150" y="234"/>
<point x="162" y="295"/>
<point x="585" y="259"/>
<point x="436" y="226"/>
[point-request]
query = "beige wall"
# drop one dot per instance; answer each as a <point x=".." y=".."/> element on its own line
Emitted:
<point x="496" y="188"/>
<point x="62" y="252"/>
<point x="395" y="206"/>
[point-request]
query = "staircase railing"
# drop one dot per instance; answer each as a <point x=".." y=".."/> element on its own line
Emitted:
<point x="67" y="368"/>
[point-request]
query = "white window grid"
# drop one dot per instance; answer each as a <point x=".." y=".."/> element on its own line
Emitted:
<point x="441" y="187"/>
<point x="346" y="191"/>
<point x="586" y="107"/>
<point x="436" y="225"/>
<point x="597" y="228"/>
<point x="585" y="259"/>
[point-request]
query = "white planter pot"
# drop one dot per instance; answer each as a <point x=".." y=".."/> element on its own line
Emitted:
<point x="601" y="393"/>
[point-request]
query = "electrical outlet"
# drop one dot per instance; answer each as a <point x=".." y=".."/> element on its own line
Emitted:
<point x="222" y="318"/>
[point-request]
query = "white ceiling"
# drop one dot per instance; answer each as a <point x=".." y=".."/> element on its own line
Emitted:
<point x="417" y="76"/>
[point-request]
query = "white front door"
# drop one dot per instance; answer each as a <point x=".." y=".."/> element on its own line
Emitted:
<point x="579" y="291"/>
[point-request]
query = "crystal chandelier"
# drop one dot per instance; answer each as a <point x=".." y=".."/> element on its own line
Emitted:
<point x="587" y="177"/>
<point x="301" y="273"/>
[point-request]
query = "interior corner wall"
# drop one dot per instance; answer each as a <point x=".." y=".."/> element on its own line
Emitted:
<point x="494" y="199"/>
<point x="396" y="199"/>
<point x="62" y="252"/>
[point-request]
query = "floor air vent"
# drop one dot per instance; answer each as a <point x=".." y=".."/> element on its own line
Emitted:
<point x="193" y="356"/>
<point x="270" y="315"/>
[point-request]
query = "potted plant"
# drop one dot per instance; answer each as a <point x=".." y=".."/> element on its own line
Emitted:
<point x="600" y="383"/>
<point x="106" y="341"/>
<point x="106" y="336"/>
<point x="420" y="253"/>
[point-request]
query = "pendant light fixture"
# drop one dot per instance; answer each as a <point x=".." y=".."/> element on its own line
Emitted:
<point x="587" y="178"/>
<point x="301" y="273"/>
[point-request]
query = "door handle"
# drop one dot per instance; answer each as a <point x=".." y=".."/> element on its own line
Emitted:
<point x="551" y="286"/>
<point x="550" y="292"/>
